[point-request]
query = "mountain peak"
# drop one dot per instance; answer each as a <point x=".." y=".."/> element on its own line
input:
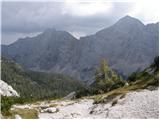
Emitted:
<point x="124" y="24"/>
<point x="127" y="17"/>
<point x="129" y="20"/>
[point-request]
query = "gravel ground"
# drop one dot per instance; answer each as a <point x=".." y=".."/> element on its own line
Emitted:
<point x="144" y="104"/>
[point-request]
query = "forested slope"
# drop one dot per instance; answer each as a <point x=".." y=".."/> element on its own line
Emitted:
<point x="37" y="85"/>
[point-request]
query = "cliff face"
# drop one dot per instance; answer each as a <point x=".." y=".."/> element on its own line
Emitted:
<point x="7" y="90"/>
<point x="128" y="45"/>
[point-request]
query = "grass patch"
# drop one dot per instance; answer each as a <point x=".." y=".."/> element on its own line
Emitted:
<point x="53" y="105"/>
<point x="26" y="113"/>
<point x="135" y="86"/>
<point x="107" y="97"/>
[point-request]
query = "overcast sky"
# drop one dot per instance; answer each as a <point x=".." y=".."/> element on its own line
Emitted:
<point x="20" y="19"/>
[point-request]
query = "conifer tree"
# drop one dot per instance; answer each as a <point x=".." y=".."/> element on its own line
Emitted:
<point x="105" y="77"/>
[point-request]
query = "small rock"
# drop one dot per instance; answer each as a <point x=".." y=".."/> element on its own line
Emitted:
<point x="41" y="110"/>
<point x="17" y="116"/>
<point x="126" y="84"/>
<point x="50" y="110"/>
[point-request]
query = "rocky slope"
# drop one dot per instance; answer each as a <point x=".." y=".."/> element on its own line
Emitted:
<point x="143" y="104"/>
<point x="128" y="45"/>
<point x="7" y="90"/>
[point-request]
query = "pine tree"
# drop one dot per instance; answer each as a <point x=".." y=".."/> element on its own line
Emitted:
<point x="106" y="78"/>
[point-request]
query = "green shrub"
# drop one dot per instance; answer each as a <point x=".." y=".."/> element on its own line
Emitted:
<point x="132" y="77"/>
<point x="7" y="102"/>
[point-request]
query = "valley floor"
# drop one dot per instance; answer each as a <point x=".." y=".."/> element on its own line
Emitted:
<point x="140" y="104"/>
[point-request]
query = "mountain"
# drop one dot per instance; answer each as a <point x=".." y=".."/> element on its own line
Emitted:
<point x="128" y="45"/>
<point x="37" y="85"/>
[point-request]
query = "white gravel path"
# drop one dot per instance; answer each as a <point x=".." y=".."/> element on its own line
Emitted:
<point x="75" y="110"/>
<point x="144" y="104"/>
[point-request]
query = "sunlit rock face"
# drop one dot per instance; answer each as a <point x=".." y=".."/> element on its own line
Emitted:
<point x="128" y="46"/>
<point x="7" y="90"/>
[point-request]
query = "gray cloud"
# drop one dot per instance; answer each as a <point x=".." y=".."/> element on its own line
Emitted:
<point x="22" y="18"/>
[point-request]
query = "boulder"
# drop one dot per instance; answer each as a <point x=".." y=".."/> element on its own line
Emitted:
<point x="17" y="116"/>
<point x="7" y="90"/>
<point x="50" y="110"/>
<point x="70" y="96"/>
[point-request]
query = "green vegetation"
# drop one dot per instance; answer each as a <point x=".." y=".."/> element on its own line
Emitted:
<point x="105" y="80"/>
<point x="137" y="81"/>
<point x="148" y="75"/>
<point x="26" y="113"/>
<point x="37" y="85"/>
<point x="7" y="102"/>
<point x="33" y="86"/>
<point x="107" y="86"/>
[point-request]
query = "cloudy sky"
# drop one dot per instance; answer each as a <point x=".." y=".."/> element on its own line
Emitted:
<point x="80" y="17"/>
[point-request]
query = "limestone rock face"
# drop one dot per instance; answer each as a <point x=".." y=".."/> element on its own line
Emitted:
<point x="7" y="90"/>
